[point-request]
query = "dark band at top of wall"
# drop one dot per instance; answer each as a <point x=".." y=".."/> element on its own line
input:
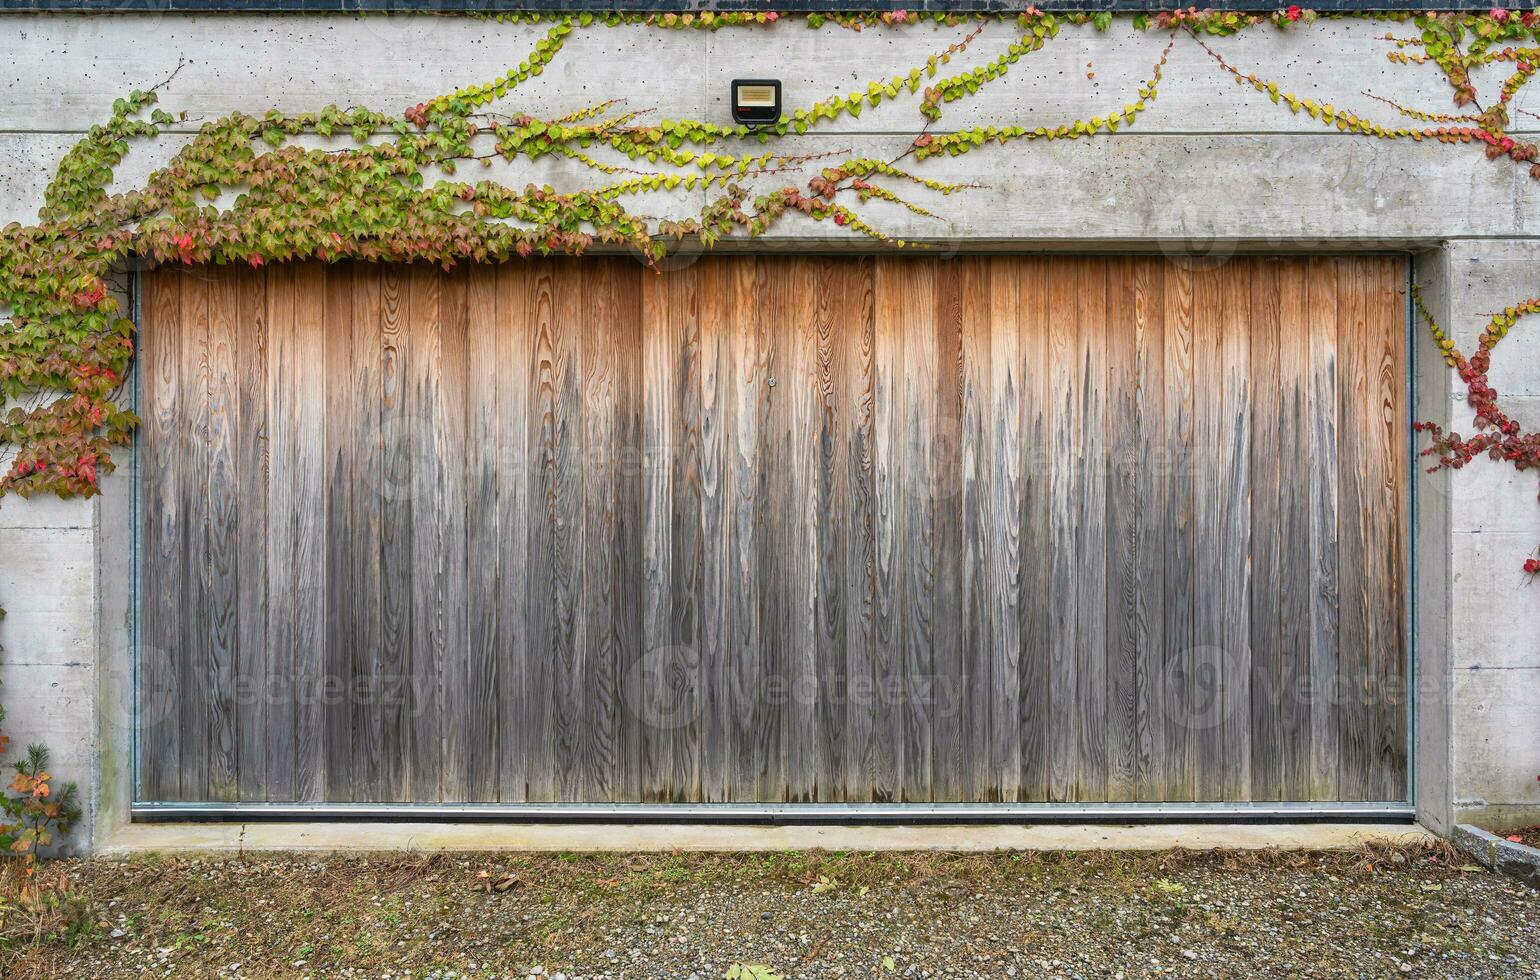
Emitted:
<point x="659" y="6"/>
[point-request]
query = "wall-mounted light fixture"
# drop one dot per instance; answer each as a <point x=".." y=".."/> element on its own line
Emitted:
<point x="756" y="101"/>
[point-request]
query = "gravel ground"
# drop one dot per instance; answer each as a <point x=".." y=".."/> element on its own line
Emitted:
<point x="1368" y="913"/>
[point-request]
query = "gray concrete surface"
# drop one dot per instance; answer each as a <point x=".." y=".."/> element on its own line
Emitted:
<point x="225" y="839"/>
<point x="1211" y="165"/>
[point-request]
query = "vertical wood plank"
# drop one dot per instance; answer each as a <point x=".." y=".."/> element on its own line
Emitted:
<point x="193" y="658"/>
<point x="394" y="683"/>
<point x="857" y="336"/>
<point x="658" y="434"/>
<point x="1355" y="672"/>
<point x="975" y="458"/>
<point x="450" y="630"/>
<point x="1151" y="506"/>
<point x="1235" y="540"/>
<point x="917" y="292"/>
<point x="1294" y="472"/>
<point x="160" y="692"/>
<point x="1122" y="608"/>
<point x="1004" y="408"/>
<point x="717" y="399"/>
<point x="518" y="299"/>
<point x="1038" y="609"/>
<point x="553" y="652"/>
<point x="835" y="312"/>
<point x="367" y="654"/>
<point x="1091" y="532"/>
<point x="484" y="569"/>
<point x="1208" y="655"/>
<point x="748" y="389"/>
<point x="681" y="661"/>
<point x="424" y="329"/>
<point x="223" y="534"/>
<point x="252" y="463"/>
<point x="1181" y="541"/>
<point x="891" y="505"/>
<point x="1325" y="603"/>
<point x="1067" y="385"/>
<point x="606" y="308"/>
<point x="283" y="517"/>
<point x="949" y="690"/>
<point x="1385" y="442"/>
<point x="340" y="631"/>
<point x="310" y="530"/>
<point x="631" y="643"/>
<point x="1268" y="736"/>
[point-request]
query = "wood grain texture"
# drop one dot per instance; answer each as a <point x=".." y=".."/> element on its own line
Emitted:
<point x="160" y="646"/>
<point x="252" y="470"/>
<point x="1151" y="489"/>
<point x="193" y="507"/>
<point x="767" y="529"/>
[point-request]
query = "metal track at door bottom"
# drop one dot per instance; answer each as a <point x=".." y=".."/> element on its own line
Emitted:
<point x="779" y="812"/>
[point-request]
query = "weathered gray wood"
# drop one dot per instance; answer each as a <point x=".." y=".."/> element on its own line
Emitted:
<point x="1091" y="533"/>
<point x="717" y="309"/>
<point x="283" y="507"/>
<point x="857" y="336"/>
<point x="547" y="321"/>
<point x="995" y="529"/>
<point x="680" y="661"/>
<point x="310" y="531"/>
<point x="917" y="568"/>
<point x="518" y="301"/>
<point x="974" y="469"/>
<point x="889" y="385"/>
<point x="223" y="534"/>
<point x="617" y="305"/>
<point x="451" y="635"/>
<point x="832" y="389"/>
<point x="747" y="392"/>
<point x="160" y="693"/>
<point x="1355" y="663"/>
<point x="1325" y="605"/>
<point x="483" y="539"/>
<point x="192" y="491"/>
<point x="340" y="483"/>
<point x="658" y="434"/>
<point x="1234" y="473"/>
<point x="1152" y="488"/>
<point x="1037" y="609"/>
<point x="252" y="466"/>
<point x="1122" y="608"/>
<point x="563" y="489"/>
<point x="1294" y="600"/>
<point x="1066" y="412"/>
<point x="1387" y="550"/>
<point x="1268" y="737"/>
<point x="1004" y="476"/>
<point x="1208" y="656"/>
<point x="950" y="691"/>
<point x="392" y="705"/>
<point x="835" y="318"/>
<point x="1182" y="487"/>
<point x="366" y="646"/>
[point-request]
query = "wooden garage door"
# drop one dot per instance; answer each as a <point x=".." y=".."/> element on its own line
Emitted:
<point x="775" y="529"/>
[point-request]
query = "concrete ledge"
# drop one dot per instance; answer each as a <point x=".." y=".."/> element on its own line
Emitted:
<point x="1500" y="854"/>
<point x="234" y="838"/>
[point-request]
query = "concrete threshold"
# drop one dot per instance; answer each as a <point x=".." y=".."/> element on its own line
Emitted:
<point x="226" y="839"/>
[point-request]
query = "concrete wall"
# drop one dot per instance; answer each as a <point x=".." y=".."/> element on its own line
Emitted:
<point x="1211" y="166"/>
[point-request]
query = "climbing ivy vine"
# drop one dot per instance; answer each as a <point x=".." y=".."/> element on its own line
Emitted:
<point x="271" y="187"/>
